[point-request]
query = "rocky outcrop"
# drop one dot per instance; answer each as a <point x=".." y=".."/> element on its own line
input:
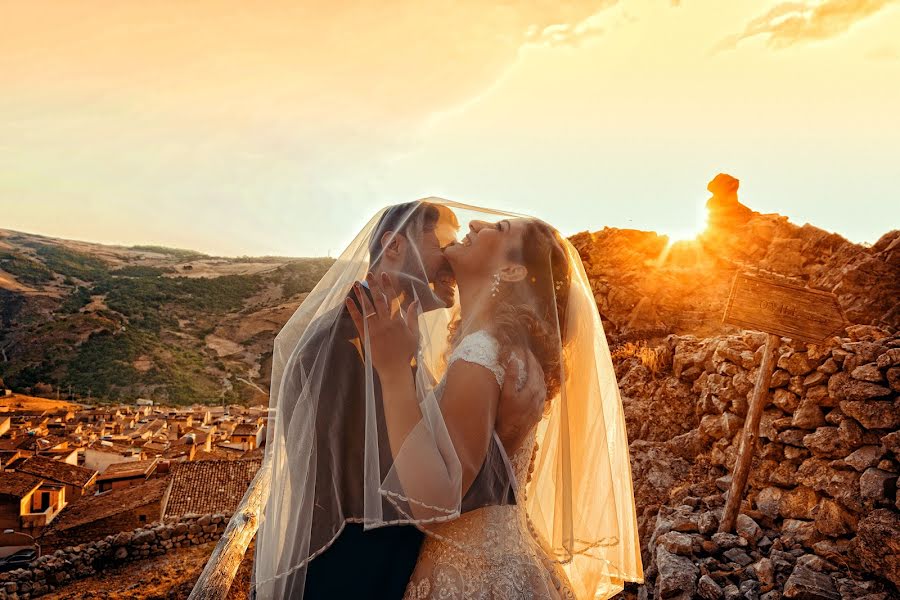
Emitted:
<point x="646" y="287"/>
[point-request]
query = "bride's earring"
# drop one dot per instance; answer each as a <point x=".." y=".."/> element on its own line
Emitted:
<point x="495" y="287"/>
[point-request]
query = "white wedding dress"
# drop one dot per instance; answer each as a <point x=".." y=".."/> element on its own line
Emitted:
<point x="490" y="553"/>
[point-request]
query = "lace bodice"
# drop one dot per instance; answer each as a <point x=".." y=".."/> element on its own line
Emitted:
<point x="488" y="553"/>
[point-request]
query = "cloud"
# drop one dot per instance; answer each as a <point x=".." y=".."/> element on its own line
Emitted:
<point x="790" y="23"/>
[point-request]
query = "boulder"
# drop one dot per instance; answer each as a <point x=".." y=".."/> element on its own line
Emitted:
<point x="676" y="543"/>
<point x="677" y="575"/>
<point x="877" y="485"/>
<point x="785" y="400"/>
<point x="708" y="589"/>
<point x="865" y="457"/>
<point x="880" y="414"/>
<point x="806" y="584"/>
<point x="748" y="529"/>
<point x="797" y="363"/>
<point x="798" y="503"/>
<point x="877" y="544"/>
<point x="832" y="519"/>
<point x="843" y="387"/>
<point x="826" y="442"/>
<point x="867" y="372"/>
<point x="893" y="378"/>
<point x="808" y="415"/>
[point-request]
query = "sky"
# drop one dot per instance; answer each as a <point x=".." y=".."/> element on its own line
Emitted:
<point x="279" y="128"/>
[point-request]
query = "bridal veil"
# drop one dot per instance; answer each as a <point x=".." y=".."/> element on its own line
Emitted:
<point x="333" y="465"/>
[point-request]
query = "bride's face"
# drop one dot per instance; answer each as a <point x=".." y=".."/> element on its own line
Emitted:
<point x="485" y="249"/>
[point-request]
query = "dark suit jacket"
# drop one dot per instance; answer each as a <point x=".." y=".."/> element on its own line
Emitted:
<point x="376" y="563"/>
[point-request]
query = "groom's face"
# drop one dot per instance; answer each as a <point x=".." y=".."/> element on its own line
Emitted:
<point x="428" y="254"/>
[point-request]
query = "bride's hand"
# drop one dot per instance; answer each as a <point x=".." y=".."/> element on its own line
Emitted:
<point x="393" y="336"/>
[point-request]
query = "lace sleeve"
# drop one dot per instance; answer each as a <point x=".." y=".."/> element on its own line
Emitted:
<point x="480" y="348"/>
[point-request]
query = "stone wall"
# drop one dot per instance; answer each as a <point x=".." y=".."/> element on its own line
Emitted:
<point x="53" y="571"/>
<point x="821" y="516"/>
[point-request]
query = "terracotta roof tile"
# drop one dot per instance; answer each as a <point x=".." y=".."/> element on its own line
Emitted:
<point x="17" y="485"/>
<point x="56" y="470"/>
<point x="93" y="508"/>
<point x="209" y="486"/>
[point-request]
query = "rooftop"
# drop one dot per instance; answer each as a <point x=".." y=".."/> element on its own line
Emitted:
<point x="209" y="486"/>
<point x="92" y="508"/>
<point x="129" y="469"/>
<point x="17" y="485"/>
<point x="57" y="470"/>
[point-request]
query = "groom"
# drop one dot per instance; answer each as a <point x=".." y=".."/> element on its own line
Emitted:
<point x="408" y="242"/>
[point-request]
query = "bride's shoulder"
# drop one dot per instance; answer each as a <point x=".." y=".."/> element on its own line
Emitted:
<point x="481" y="348"/>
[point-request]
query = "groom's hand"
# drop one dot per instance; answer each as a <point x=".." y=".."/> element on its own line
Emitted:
<point x="520" y="409"/>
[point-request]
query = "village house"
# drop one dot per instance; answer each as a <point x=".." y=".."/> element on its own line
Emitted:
<point x="28" y="503"/>
<point x="94" y="517"/>
<point x="101" y="455"/>
<point x="126" y="474"/>
<point x="78" y="481"/>
<point x="247" y="435"/>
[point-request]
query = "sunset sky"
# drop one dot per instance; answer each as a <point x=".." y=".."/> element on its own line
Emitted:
<point x="280" y="127"/>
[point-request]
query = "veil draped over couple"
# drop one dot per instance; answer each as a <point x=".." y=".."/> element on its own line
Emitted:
<point x="445" y="421"/>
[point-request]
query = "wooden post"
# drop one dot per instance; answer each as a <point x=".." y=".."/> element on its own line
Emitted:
<point x="748" y="438"/>
<point x="222" y="566"/>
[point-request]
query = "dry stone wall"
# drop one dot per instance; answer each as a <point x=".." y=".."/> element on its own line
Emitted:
<point x="821" y="516"/>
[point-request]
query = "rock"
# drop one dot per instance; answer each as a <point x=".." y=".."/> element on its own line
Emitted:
<point x="736" y="555"/>
<point x="826" y="442"/>
<point x="891" y="358"/>
<point x="765" y="573"/>
<point x="877" y="485"/>
<point x="780" y="378"/>
<point x="727" y="541"/>
<point x="676" y="543"/>
<point x="768" y="501"/>
<point x="707" y="523"/>
<point x="880" y="414"/>
<point x="797" y="363"/>
<point x="798" y="503"/>
<point x="801" y="532"/>
<point x="677" y="575"/>
<point x="815" y="378"/>
<point x="828" y="367"/>
<point x="891" y="441"/>
<point x="808" y="415"/>
<point x="708" y="589"/>
<point x="845" y="388"/>
<point x="805" y="584"/>
<point x="819" y="395"/>
<point x="792" y="437"/>
<point x="731" y="592"/>
<point x="815" y="563"/>
<point x="720" y="426"/>
<point x="748" y="529"/>
<point x="833" y="520"/>
<point x="877" y="544"/>
<point x="851" y="432"/>
<point x="865" y="457"/>
<point x="893" y="378"/>
<point x="867" y="372"/>
<point x="121" y="553"/>
<point x="749" y="589"/>
<point x="785" y="400"/>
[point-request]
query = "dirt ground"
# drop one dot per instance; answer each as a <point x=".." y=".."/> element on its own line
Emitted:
<point x="167" y="577"/>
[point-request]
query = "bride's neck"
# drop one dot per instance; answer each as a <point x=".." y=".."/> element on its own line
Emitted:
<point x="474" y="299"/>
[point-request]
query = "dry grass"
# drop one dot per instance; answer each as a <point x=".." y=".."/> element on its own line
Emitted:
<point x="657" y="359"/>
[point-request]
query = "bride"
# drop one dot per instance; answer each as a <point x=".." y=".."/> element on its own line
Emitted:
<point x="433" y="393"/>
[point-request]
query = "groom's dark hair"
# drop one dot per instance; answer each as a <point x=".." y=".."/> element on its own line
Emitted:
<point x="400" y="219"/>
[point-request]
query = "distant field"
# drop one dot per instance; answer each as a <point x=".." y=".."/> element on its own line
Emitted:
<point x="20" y="402"/>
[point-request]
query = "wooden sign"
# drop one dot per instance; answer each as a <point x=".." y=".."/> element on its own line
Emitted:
<point x="784" y="309"/>
<point x="779" y="309"/>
